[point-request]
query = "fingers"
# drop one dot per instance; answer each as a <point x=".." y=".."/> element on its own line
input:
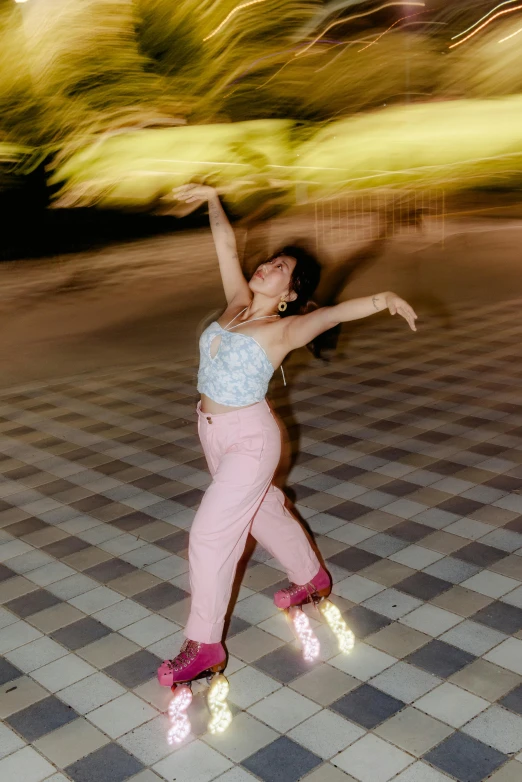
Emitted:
<point x="409" y="316"/>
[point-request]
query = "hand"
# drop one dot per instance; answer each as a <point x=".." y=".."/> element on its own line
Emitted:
<point x="398" y="306"/>
<point x="193" y="193"/>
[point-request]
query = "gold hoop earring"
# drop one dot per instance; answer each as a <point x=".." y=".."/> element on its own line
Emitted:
<point x="282" y="305"/>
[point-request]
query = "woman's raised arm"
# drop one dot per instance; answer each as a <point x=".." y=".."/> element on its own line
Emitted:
<point x="234" y="283"/>
<point x="302" y="329"/>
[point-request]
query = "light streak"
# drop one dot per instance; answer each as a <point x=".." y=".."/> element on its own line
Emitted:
<point x="337" y="625"/>
<point x="506" y="2"/>
<point x="180" y="722"/>
<point x="511" y="36"/>
<point x="217" y="704"/>
<point x="307" y="638"/>
<point x="355" y="16"/>
<point x="486" y="23"/>
<point x="230" y="15"/>
<point x="372" y="43"/>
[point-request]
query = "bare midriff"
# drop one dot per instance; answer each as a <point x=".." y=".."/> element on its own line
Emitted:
<point x="214" y="408"/>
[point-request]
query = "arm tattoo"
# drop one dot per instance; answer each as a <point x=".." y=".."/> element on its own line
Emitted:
<point x="375" y="299"/>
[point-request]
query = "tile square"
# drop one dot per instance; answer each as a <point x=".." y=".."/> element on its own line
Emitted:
<point x="451" y="704"/>
<point x="513" y="701"/>
<point x="417" y="557"/>
<point x="479" y="554"/>
<point x="500" y="616"/>
<point x="149" y="630"/>
<point x="41" y="718"/>
<point x="363" y="622"/>
<point x="96" y="599"/>
<point x="452" y="569"/>
<point x="71" y="742"/>
<point x="9" y="741"/>
<point x="80" y="633"/>
<point x="88" y="694"/>
<point x="354" y="559"/>
<point x="413" y="731"/>
<point x="473" y="637"/>
<point x="507" y="655"/>
<point x="356" y="588"/>
<point x="441" y="659"/>
<point x="109" y="570"/>
<point x="32" y="603"/>
<point x="508" y="773"/>
<point x="121" y="614"/>
<point x="109" y="762"/>
<point x="122" y="715"/>
<point x="373" y="760"/>
<point x="160" y="596"/>
<point x="135" y="669"/>
<point x="486" y="680"/>
<point x="363" y="662"/>
<point x="392" y="603"/>
<point x="406" y="682"/>
<point x="461" y="601"/>
<point x="247" y="686"/>
<point x="410" y="531"/>
<point x="26" y="765"/>
<point x="497" y="728"/>
<point x="8" y="672"/>
<point x="108" y="650"/>
<point x="367" y="706"/>
<point x="282" y="761"/>
<point x="252" y="644"/>
<point x="284" y="664"/>
<point x="283" y="709"/>
<point x="421" y="772"/>
<point x="27" y="693"/>
<point x="431" y="620"/>
<point x="63" y="672"/>
<point x="246" y="738"/>
<point x="387" y="572"/>
<point x="324" y="684"/>
<point x="490" y="584"/>
<point x="195" y="762"/>
<point x="148" y="742"/>
<point x="465" y="758"/>
<point x="326" y="734"/>
<point x="383" y="544"/>
<point x="398" y="640"/>
<point x="423" y="586"/>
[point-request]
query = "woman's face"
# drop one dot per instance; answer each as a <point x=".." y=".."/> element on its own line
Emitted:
<point x="273" y="278"/>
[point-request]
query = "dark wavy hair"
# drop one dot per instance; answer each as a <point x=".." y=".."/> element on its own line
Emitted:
<point x="304" y="281"/>
<point x="305" y="278"/>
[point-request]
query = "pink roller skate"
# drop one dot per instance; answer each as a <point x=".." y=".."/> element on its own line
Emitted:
<point x="196" y="661"/>
<point x="315" y="591"/>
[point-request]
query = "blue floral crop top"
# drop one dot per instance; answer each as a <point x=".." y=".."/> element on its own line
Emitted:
<point x="239" y="374"/>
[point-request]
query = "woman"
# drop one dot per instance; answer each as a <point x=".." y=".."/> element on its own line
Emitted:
<point x="241" y="438"/>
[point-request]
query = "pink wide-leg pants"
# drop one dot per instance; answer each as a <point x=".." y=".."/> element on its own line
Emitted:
<point x="243" y="449"/>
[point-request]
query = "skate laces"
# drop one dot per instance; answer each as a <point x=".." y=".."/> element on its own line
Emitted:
<point x="186" y="655"/>
<point x="294" y="589"/>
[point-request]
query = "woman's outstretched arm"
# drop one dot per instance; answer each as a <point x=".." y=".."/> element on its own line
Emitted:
<point x="234" y="283"/>
<point x="302" y="329"/>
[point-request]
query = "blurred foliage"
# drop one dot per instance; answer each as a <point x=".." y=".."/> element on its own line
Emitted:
<point x="103" y="86"/>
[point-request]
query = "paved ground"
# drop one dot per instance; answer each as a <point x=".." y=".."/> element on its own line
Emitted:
<point x="409" y="474"/>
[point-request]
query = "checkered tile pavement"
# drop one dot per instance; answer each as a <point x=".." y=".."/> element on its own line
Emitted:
<point x="409" y="474"/>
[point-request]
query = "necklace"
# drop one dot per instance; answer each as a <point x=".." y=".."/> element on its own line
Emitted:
<point x="263" y="317"/>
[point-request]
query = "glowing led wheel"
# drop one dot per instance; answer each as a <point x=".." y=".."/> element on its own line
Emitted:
<point x="337" y="625"/>
<point x="217" y="704"/>
<point x="180" y="723"/>
<point x="307" y="638"/>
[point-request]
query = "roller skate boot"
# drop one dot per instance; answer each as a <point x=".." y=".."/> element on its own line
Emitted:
<point x="316" y="592"/>
<point x="196" y="661"/>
